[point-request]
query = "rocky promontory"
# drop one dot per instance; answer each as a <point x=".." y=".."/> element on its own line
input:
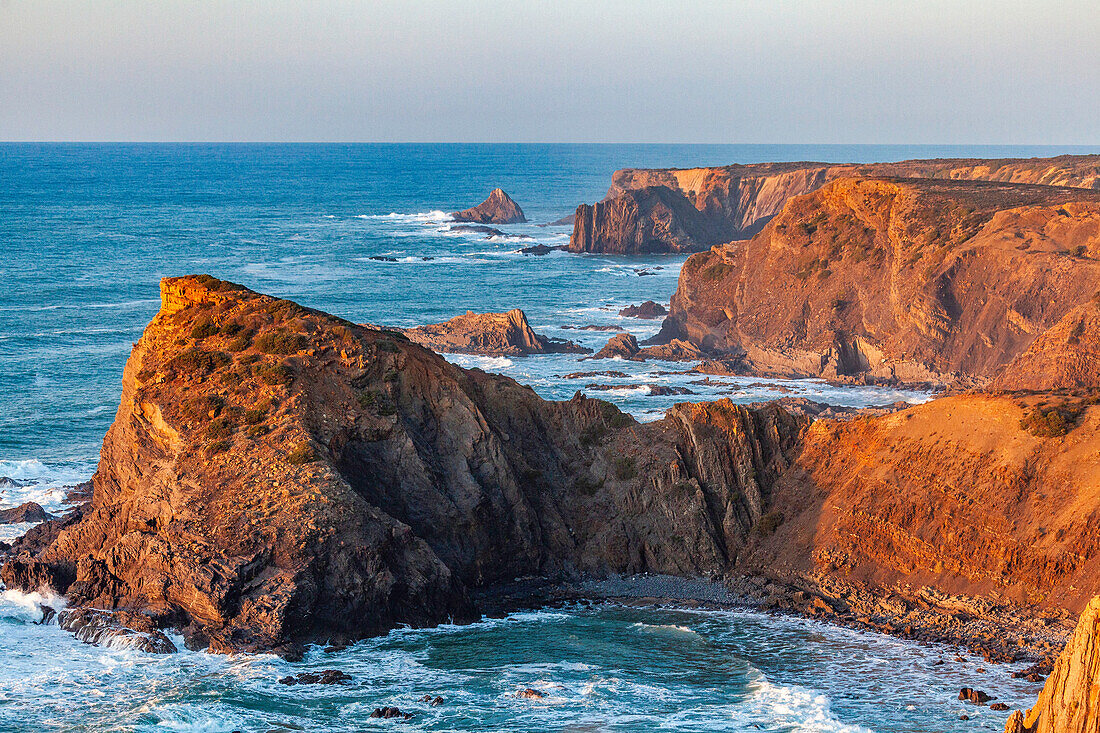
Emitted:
<point x="683" y="210"/>
<point x="276" y="475"/>
<point x="499" y="208"/>
<point x="490" y="334"/>
<point x="905" y="280"/>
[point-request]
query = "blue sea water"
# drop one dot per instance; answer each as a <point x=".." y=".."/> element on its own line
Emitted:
<point x="86" y="231"/>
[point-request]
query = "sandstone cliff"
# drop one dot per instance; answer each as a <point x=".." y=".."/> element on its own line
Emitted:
<point x="736" y="201"/>
<point x="499" y="208"/>
<point x="902" y="279"/>
<point x="277" y="475"/>
<point x="495" y="334"/>
<point x="1070" y="700"/>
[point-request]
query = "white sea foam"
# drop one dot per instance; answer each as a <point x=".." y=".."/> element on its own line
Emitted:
<point x="423" y="217"/>
<point x="487" y="363"/>
<point x="26" y="607"/>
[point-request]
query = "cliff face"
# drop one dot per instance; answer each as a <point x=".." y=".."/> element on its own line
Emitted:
<point x="275" y="475"/>
<point x="496" y="334"/>
<point x="972" y="494"/>
<point x="1070" y="700"/>
<point x="737" y="200"/>
<point x="640" y="221"/>
<point x="914" y="280"/>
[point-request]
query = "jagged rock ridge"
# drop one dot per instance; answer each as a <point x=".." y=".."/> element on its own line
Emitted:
<point x="1070" y="700"/>
<point x="277" y="475"/>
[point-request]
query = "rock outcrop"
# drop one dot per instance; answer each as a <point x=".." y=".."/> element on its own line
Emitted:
<point x="26" y="512"/>
<point x="499" y="208"/>
<point x="276" y="475"/>
<point x="648" y="310"/>
<point x="904" y="280"/>
<point x="736" y="201"/>
<point x="1070" y="700"/>
<point x="490" y="334"/>
<point x="968" y="494"/>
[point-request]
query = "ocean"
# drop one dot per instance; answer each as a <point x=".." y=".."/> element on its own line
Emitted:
<point x="86" y="232"/>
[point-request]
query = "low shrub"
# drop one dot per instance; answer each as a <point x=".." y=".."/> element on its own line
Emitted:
<point x="198" y="361"/>
<point x="280" y="342"/>
<point x="203" y="328"/>
<point x="301" y="454"/>
<point x="769" y="523"/>
<point x="625" y="468"/>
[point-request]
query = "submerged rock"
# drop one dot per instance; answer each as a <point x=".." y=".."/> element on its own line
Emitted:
<point x="499" y="208"/>
<point x="325" y="677"/>
<point x="115" y="630"/>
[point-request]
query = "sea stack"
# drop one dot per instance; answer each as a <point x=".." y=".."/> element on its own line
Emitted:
<point x="499" y="208"/>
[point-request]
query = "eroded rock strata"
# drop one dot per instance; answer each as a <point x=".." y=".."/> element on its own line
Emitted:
<point x="647" y="210"/>
<point x="491" y="334"/>
<point x="277" y="475"/>
<point x="901" y="280"/>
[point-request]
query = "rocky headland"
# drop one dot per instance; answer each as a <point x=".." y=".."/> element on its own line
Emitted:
<point x="499" y="208"/>
<point x="899" y="280"/>
<point x="276" y="475"/>
<point x="684" y="210"/>
<point x="490" y="334"/>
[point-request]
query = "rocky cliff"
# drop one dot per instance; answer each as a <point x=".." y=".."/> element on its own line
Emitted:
<point x="900" y="279"/>
<point x="277" y="475"/>
<point x="499" y="208"/>
<point x="991" y="496"/>
<point x="494" y="334"/>
<point x="1070" y="700"/>
<point x="735" y="201"/>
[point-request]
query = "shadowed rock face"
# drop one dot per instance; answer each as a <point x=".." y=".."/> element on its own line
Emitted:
<point x="492" y="334"/>
<point x="641" y="221"/>
<point x="1065" y="356"/>
<point x="277" y="475"/>
<point x="736" y="201"/>
<point x="909" y="280"/>
<point x="499" y="208"/>
<point x="1070" y="700"/>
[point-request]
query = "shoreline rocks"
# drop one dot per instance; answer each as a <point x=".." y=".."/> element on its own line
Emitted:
<point x="648" y="310"/>
<point x="26" y="512"/>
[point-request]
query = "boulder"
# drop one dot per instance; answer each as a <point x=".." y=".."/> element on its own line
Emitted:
<point x="621" y="346"/>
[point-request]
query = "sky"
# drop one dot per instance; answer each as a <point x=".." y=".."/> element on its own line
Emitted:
<point x="738" y="71"/>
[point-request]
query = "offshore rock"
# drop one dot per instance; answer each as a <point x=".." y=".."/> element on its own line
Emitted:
<point x="1070" y="700"/>
<point x="648" y="309"/>
<point x="491" y="334"/>
<point x="499" y="208"/>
